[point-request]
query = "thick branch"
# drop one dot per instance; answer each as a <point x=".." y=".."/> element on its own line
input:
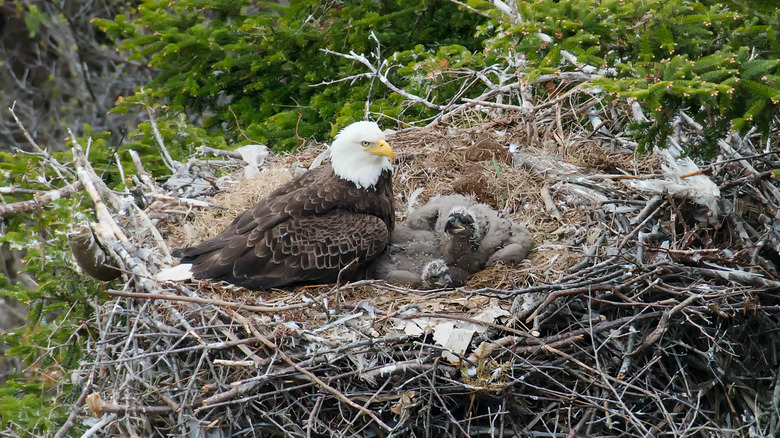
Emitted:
<point x="243" y="306"/>
<point x="40" y="201"/>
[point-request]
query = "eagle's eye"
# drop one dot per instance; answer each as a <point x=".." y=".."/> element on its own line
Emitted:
<point x="364" y="143"/>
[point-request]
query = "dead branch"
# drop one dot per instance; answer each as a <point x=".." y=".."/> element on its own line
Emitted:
<point x="41" y="200"/>
<point x="377" y="73"/>
<point x="207" y="301"/>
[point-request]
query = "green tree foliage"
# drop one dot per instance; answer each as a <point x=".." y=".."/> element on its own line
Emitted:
<point x="34" y="399"/>
<point x="717" y="61"/>
<point x="256" y="71"/>
<point x="251" y="70"/>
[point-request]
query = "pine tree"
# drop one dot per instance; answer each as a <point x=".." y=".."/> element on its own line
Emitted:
<point x="251" y="71"/>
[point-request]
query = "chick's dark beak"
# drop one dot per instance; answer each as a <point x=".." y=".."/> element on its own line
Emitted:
<point x="453" y="226"/>
<point x="444" y="280"/>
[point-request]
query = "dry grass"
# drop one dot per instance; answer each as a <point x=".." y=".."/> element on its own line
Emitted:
<point x="203" y="224"/>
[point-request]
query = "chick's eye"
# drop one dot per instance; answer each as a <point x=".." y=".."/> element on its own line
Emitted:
<point x="364" y="143"/>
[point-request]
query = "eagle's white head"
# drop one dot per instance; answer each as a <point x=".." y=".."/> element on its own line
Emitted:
<point x="360" y="153"/>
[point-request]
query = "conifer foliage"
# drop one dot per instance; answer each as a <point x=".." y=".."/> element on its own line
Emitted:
<point x="717" y="61"/>
<point x="256" y="70"/>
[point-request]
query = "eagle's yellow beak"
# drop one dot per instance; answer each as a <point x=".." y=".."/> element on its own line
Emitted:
<point x="382" y="148"/>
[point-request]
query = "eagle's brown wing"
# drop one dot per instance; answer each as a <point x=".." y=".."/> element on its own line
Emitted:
<point x="316" y="212"/>
<point x="269" y="210"/>
<point x="299" y="250"/>
<point x="313" y="193"/>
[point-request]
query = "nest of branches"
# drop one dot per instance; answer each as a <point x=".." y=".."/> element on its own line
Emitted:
<point x="648" y="308"/>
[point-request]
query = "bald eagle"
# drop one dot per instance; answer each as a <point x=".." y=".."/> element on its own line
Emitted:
<point x="335" y="216"/>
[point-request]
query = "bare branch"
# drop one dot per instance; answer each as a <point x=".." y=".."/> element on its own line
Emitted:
<point x="382" y="78"/>
<point x="41" y="200"/>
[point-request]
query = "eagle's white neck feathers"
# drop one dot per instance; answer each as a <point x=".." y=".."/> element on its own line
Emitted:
<point x="354" y="154"/>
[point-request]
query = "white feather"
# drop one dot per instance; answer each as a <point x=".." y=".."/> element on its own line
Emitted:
<point x="413" y="199"/>
<point x="699" y="188"/>
<point x="180" y="272"/>
<point x="254" y="155"/>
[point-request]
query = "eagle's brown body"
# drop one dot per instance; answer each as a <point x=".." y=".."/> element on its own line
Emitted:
<point x="310" y="229"/>
<point x="304" y="231"/>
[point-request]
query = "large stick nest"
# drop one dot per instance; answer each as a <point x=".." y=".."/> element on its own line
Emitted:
<point x="643" y="309"/>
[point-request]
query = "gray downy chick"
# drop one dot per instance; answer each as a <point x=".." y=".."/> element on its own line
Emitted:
<point x="433" y="215"/>
<point x="461" y="240"/>
<point x="498" y="239"/>
<point x="413" y="257"/>
<point x="436" y="274"/>
<point x="503" y="240"/>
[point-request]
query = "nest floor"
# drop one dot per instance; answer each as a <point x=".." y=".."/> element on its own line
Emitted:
<point x="648" y="306"/>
